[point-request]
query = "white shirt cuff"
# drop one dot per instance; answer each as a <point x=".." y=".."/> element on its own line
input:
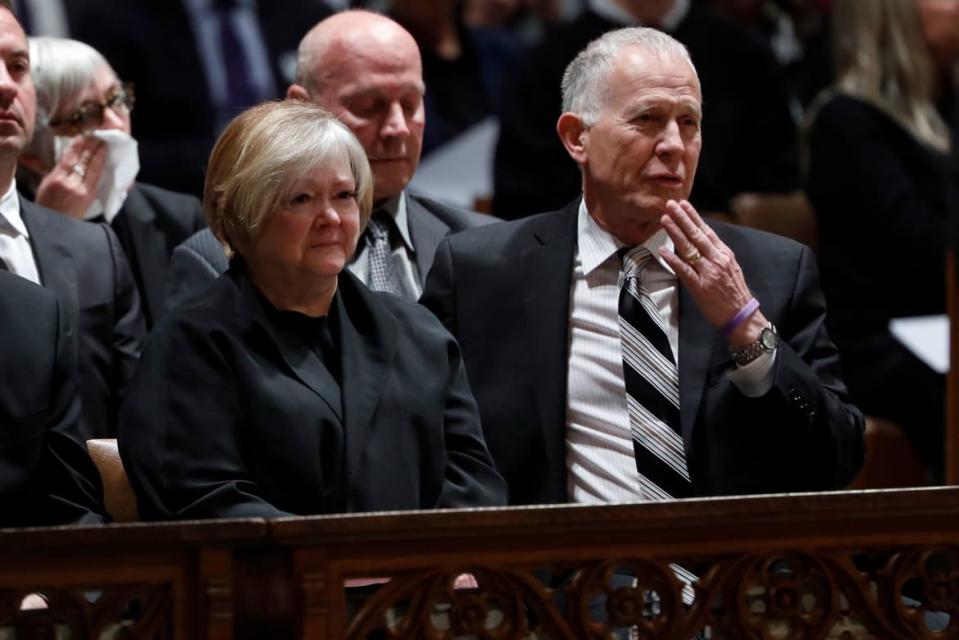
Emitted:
<point x="755" y="378"/>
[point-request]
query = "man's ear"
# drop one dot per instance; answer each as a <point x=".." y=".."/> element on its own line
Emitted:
<point x="572" y="133"/>
<point x="297" y="92"/>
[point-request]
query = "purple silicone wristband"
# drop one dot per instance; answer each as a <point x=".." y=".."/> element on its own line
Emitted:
<point x="740" y="317"/>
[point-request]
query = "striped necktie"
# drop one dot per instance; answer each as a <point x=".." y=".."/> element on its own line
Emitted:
<point x="652" y="387"/>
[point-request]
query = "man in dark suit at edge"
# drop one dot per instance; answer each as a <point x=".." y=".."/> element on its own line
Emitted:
<point x="571" y="321"/>
<point x="82" y="263"/>
<point x="366" y="70"/>
<point x="46" y="476"/>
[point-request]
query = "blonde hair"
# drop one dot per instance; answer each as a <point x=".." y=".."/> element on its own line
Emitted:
<point x="882" y="58"/>
<point x="263" y="152"/>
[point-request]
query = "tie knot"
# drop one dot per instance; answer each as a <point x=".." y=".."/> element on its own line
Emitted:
<point x="379" y="224"/>
<point x="635" y="260"/>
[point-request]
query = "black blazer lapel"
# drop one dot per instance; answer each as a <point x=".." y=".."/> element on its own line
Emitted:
<point x="426" y="231"/>
<point x="367" y="334"/>
<point x="299" y="357"/>
<point x="146" y="251"/>
<point x="545" y="274"/>
<point x="697" y="343"/>
<point x="53" y="257"/>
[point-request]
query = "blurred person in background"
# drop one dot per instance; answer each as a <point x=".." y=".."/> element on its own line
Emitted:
<point x="83" y="111"/>
<point x="463" y="63"/>
<point x="196" y="64"/>
<point x="876" y="152"/>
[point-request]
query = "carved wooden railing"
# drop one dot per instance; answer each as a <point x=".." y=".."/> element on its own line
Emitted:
<point x="844" y="565"/>
<point x="123" y="581"/>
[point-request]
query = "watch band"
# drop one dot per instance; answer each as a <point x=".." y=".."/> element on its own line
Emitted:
<point x="753" y="350"/>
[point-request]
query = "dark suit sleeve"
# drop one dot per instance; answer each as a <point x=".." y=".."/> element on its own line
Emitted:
<point x="181" y="428"/>
<point x="804" y="434"/>
<point x="71" y="483"/>
<point x="470" y="479"/>
<point x="129" y="328"/>
<point x="189" y="272"/>
<point x="438" y="294"/>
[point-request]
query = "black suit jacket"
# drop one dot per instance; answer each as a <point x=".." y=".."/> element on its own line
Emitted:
<point x="151" y="223"/>
<point x="46" y="476"/>
<point x="228" y="411"/>
<point x="200" y="259"/>
<point x="504" y="291"/>
<point x="151" y="43"/>
<point x="880" y="198"/>
<point x="85" y="266"/>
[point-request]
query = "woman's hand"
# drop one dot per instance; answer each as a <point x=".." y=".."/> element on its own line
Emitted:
<point x="71" y="186"/>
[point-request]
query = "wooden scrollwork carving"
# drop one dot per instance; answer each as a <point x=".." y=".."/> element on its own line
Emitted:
<point x="505" y="604"/>
<point x="120" y="611"/>
<point x="792" y="595"/>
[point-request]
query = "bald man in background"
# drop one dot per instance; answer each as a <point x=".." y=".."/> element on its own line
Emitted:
<point x="365" y="69"/>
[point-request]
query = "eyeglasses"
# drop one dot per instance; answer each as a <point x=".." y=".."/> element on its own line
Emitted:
<point x="89" y="115"/>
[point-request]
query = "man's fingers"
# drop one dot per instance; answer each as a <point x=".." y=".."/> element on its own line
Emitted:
<point x="686" y="221"/>
<point x="683" y="271"/>
<point x="685" y="249"/>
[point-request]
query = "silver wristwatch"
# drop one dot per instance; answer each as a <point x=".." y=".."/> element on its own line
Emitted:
<point x="767" y="343"/>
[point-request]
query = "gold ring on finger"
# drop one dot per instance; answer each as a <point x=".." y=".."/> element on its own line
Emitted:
<point x="692" y="257"/>
<point x="79" y="169"/>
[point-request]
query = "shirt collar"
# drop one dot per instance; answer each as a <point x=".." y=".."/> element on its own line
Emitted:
<point x="614" y="13"/>
<point x="596" y="245"/>
<point x="10" y="211"/>
<point x="396" y="207"/>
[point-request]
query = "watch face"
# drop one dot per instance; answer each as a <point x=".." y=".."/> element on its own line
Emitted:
<point x="769" y="339"/>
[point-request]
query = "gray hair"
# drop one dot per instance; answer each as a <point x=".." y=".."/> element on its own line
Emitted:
<point x="585" y="82"/>
<point x="62" y="69"/>
<point x="882" y="58"/>
<point x="263" y="152"/>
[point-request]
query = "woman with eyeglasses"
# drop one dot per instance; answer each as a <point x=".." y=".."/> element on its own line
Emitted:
<point x="83" y="162"/>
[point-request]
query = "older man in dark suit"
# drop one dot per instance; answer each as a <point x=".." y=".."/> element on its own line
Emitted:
<point x="621" y="349"/>
<point x="82" y="263"/>
<point x="46" y="476"/>
<point x="365" y="69"/>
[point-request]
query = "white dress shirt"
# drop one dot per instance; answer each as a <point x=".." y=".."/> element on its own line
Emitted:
<point x="15" y="249"/>
<point x="403" y="257"/>
<point x="600" y="463"/>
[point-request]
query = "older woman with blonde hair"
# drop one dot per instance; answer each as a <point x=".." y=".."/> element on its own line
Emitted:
<point x="288" y="387"/>
<point x="876" y="160"/>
